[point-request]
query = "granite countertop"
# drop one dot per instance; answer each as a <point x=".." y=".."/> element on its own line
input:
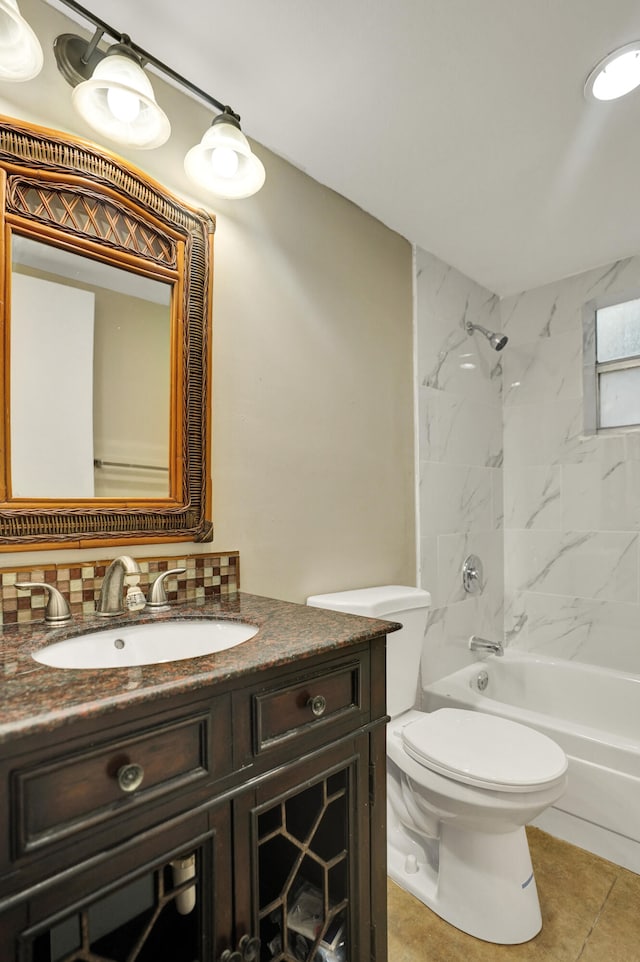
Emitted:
<point x="35" y="697"/>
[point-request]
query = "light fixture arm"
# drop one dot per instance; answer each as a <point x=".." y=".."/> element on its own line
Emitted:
<point x="90" y="55"/>
<point x="92" y="46"/>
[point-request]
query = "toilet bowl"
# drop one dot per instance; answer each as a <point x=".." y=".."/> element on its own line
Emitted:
<point x="461" y="786"/>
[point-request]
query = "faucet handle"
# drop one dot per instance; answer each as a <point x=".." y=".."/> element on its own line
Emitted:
<point x="158" y="594"/>
<point x="57" y="610"/>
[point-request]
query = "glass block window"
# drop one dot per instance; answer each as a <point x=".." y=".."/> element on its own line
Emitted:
<point x="617" y="365"/>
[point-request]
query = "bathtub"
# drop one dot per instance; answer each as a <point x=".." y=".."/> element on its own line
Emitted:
<point x="593" y="713"/>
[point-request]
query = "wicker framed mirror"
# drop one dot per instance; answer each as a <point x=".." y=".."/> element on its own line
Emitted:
<point x="105" y="353"/>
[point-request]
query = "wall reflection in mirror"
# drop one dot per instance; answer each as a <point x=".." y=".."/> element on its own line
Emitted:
<point x="90" y="377"/>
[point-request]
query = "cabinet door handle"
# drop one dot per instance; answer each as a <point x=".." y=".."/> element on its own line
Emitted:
<point x="130" y="777"/>
<point x="248" y="951"/>
<point x="250" y="948"/>
<point x="318" y="705"/>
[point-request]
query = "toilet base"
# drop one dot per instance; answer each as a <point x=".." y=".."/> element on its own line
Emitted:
<point x="481" y="883"/>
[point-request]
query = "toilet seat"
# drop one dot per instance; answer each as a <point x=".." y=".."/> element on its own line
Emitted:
<point x="483" y="750"/>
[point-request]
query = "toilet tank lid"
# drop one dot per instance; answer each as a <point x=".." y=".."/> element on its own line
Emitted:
<point x="373" y="602"/>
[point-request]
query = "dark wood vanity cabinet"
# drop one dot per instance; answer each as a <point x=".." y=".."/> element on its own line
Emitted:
<point x="260" y="815"/>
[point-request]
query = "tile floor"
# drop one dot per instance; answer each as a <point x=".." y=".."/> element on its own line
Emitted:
<point x="590" y="913"/>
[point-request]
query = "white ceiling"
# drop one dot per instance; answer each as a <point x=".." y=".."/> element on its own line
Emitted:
<point x="461" y="124"/>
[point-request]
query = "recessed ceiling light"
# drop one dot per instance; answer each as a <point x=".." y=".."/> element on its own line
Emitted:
<point x="616" y="75"/>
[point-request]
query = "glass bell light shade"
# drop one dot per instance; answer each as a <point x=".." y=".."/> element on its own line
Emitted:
<point x="223" y="162"/>
<point x="20" y="51"/>
<point x="118" y="102"/>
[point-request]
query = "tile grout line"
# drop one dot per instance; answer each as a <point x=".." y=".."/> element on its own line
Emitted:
<point x="597" y="918"/>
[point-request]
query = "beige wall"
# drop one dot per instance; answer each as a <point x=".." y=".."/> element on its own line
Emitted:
<point x="313" y="424"/>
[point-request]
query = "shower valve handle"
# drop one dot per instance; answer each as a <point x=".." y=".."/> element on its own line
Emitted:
<point x="472" y="575"/>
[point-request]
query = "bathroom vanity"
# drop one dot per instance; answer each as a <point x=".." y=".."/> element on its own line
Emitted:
<point x="224" y="808"/>
<point x="265" y="762"/>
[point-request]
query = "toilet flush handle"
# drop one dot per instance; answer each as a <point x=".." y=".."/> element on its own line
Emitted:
<point x="317" y="704"/>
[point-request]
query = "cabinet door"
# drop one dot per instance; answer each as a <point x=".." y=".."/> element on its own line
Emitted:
<point x="302" y="859"/>
<point x="164" y="895"/>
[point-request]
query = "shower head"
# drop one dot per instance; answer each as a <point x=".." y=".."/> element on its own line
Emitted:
<point x="497" y="341"/>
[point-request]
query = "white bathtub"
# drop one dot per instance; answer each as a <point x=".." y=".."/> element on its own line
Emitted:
<point x="594" y="714"/>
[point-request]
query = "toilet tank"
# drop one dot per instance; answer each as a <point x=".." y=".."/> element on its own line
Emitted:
<point x="400" y="603"/>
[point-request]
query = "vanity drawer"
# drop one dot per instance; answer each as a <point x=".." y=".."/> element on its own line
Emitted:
<point x="76" y="792"/>
<point x="318" y="701"/>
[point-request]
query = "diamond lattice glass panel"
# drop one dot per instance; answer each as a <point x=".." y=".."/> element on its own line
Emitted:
<point x="278" y="858"/>
<point x="619" y="397"/>
<point x="618" y="331"/>
<point x="151" y="918"/>
<point x="330" y="838"/>
<point x="65" y="938"/>
<point x="302" y="811"/>
<point x="269" y="821"/>
<point x="303" y="871"/>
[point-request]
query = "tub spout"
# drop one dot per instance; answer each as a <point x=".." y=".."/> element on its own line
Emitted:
<point x="483" y="644"/>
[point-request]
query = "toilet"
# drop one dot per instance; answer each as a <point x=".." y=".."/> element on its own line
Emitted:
<point x="461" y="786"/>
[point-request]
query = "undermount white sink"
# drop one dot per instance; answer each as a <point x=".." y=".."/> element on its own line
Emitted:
<point x="147" y="644"/>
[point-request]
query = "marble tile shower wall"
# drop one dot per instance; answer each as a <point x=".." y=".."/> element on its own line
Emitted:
<point x="460" y="459"/>
<point x="571" y="500"/>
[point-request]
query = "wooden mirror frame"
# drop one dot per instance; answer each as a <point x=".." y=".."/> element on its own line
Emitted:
<point x="65" y="191"/>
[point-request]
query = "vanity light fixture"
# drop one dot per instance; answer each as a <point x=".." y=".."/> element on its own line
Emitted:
<point x="113" y="94"/>
<point x="20" y="51"/>
<point x="223" y="161"/>
<point x="616" y="74"/>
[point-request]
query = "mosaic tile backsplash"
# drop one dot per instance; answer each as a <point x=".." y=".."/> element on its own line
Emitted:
<point x="207" y="576"/>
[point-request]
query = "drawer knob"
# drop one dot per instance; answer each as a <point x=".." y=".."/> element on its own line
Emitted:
<point x="130" y="777"/>
<point x="318" y="705"/>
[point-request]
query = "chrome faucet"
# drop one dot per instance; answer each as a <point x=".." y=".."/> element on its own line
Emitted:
<point x="483" y="644"/>
<point x="111" y="600"/>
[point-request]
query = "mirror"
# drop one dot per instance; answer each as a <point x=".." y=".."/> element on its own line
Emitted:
<point x="105" y="347"/>
<point x="97" y="339"/>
